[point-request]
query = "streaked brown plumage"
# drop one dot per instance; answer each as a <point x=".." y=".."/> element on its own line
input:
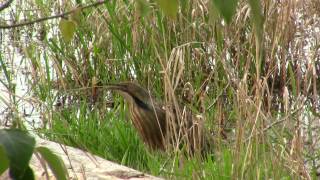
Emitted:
<point x="149" y="118"/>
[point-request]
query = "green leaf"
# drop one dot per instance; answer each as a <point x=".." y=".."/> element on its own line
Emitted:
<point x="292" y="80"/>
<point x="227" y="159"/>
<point x="39" y="3"/>
<point x="27" y="175"/>
<point x="67" y="29"/>
<point x="143" y="7"/>
<point x="30" y="50"/>
<point x="18" y="145"/>
<point x="4" y="160"/>
<point x="76" y="16"/>
<point x="169" y="7"/>
<point x="226" y="8"/>
<point x="257" y="17"/>
<point x="55" y="163"/>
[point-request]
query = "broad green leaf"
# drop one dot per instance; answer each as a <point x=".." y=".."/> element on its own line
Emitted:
<point x="67" y="29"/>
<point x="18" y="145"/>
<point x="4" y="160"/>
<point x="28" y="174"/>
<point x="169" y="7"/>
<point x="226" y="8"/>
<point x="15" y="174"/>
<point x="55" y="163"/>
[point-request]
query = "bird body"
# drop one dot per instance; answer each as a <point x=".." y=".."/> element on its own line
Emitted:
<point x="147" y="116"/>
<point x="158" y="127"/>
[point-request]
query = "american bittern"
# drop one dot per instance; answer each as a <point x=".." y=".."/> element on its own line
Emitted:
<point x="151" y="120"/>
<point x="147" y="116"/>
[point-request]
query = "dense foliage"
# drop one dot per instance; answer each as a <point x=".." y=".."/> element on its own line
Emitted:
<point x="250" y="69"/>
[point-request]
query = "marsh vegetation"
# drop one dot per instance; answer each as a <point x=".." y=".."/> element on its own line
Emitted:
<point x="250" y="70"/>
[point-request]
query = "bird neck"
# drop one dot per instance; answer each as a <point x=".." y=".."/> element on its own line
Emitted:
<point x="140" y="103"/>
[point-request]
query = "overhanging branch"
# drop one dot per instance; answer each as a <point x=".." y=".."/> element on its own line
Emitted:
<point x="52" y="17"/>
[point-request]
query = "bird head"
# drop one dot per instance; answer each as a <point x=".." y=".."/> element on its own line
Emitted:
<point x="132" y="92"/>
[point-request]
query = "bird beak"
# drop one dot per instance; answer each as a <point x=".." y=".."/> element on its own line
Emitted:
<point x="117" y="87"/>
<point x="122" y="89"/>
